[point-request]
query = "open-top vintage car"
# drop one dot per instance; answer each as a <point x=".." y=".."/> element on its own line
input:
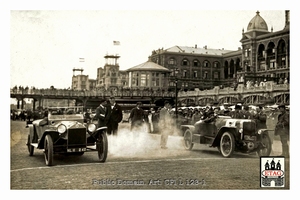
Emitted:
<point x="228" y="135"/>
<point x="64" y="132"/>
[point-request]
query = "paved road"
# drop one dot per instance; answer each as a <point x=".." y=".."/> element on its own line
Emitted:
<point x="135" y="162"/>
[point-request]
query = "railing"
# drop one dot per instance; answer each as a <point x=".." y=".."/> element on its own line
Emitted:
<point x="269" y="86"/>
<point x="93" y="93"/>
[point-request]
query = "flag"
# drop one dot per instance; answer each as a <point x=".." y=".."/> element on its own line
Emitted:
<point x="116" y="42"/>
<point x="81" y="59"/>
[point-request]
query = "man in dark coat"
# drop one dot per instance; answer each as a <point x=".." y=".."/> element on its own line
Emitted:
<point x="114" y="116"/>
<point x="260" y="118"/>
<point x="101" y="113"/>
<point x="137" y="116"/>
<point x="283" y="129"/>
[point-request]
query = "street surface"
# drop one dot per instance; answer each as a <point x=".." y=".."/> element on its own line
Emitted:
<point x="135" y="161"/>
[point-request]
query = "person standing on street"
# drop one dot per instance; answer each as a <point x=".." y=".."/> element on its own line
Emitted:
<point x="114" y="116"/>
<point x="283" y="129"/>
<point x="101" y="113"/>
<point x="260" y="118"/>
<point x="137" y="116"/>
<point x="164" y="121"/>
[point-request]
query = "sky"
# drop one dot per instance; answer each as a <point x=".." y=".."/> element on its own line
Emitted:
<point x="45" y="45"/>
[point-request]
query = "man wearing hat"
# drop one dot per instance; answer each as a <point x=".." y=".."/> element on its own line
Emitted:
<point x="101" y="113"/>
<point x="283" y="129"/>
<point x="165" y="122"/>
<point x="237" y="113"/>
<point x="137" y="116"/>
<point x="114" y="116"/>
<point x="261" y="118"/>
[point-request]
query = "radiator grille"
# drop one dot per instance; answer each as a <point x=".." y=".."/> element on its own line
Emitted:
<point x="77" y="137"/>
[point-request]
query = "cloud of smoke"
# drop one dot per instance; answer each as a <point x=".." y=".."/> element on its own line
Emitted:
<point x="140" y="143"/>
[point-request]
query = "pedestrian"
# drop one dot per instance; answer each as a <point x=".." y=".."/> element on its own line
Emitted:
<point x="101" y="113"/>
<point x="246" y="112"/>
<point x="283" y="129"/>
<point x="260" y="118"/>
<point x="137" y="116"/>
<point x="196" y="116"/>
<point x="150" y="120"/>
<point x="165" y="120"/>
<point x="115" y="116"/>
<point x="237" y="113"/>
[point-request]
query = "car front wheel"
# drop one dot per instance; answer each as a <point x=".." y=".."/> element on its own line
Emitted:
<point x="266" y="148"/>
<point x="227" y="144"/>
<point x="48" y="150"/>
<point x="102" y="147"/>
<point x="187" y="140"/>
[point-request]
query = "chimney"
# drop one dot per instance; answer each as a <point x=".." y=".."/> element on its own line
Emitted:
<point x="195" y="46"/>
<point x="205" y="47"/>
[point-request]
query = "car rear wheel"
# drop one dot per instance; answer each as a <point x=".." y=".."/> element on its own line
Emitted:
<point x="187" y="140"/>
<point x="102" y="147"/>
<point x="266" y="148"/>
<point x="227" y="144"/>
<point x="30" y="147"/>
<point x="48" y="150"/>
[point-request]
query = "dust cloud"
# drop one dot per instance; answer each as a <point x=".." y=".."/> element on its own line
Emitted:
<point x="141" y="143"/>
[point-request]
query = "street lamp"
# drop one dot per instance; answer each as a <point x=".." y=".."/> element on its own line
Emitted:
<point x="176" y="92"/>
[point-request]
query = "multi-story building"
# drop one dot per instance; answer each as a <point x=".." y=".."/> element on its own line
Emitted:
<point x="264" y="55"/>
<point x="80" y="81"/>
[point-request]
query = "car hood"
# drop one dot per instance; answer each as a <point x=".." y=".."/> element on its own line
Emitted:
<point x="69" y="124"/>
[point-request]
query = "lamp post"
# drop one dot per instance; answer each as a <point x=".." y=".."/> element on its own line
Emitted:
<point x="176" y="92"/>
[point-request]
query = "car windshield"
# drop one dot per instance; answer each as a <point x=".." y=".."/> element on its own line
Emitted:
<point x="65" y="113"/>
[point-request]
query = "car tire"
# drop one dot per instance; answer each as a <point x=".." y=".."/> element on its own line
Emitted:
<point x="30" y="147"/>
<point x="266" y="140"/>
<point x="48" y="150"/>
<point x="102" y="147"/>
<point x="187" y="140"/>
<point x="227" y="144"/>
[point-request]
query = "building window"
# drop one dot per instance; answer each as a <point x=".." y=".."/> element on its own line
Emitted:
<point x="216" y="64"/>
<point x="172" y="61"/>
<point x="196" y="63"/>
<point x="205" y="63"/>
<point x="185" y="62"/>
<point x="216" y="75"/>
<point x="143" y="80"/>
<point x="184" y="73"/>
<point x="205" y="75"/>
<point x="195" y="74"/>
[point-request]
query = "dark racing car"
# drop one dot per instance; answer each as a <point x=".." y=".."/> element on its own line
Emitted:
<point x="228" y="135"/>
<point x="64" y="132"/>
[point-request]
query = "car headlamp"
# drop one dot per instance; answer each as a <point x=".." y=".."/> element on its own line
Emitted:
<point x="260" y="131"/>
<point x="91" y="127"/>
<point x="61" y="129"/>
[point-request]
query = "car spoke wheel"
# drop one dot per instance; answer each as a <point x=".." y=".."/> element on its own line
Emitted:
<point x="30" y="147"/>
<point x="187" y="140"/>
<point x="227" y="144"/>
<point x="102" y="147"/>
<point x="48" y="150"/>
<point x="266" y="148"/>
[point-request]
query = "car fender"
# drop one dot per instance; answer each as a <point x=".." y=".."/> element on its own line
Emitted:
<point x="217" y="139"/>
<point x="183" y="128"/>
<point x="46" y="132"/>
<point x="263" y="131"/>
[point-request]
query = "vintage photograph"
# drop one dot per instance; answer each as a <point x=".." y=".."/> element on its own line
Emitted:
<point x="145" y="99"/>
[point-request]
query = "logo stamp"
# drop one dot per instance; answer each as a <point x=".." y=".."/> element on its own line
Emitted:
<point x="272" y="172"/>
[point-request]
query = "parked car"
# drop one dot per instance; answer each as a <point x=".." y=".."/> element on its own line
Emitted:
<point x="64" y="132"/>
<point x="228" y="135"/>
